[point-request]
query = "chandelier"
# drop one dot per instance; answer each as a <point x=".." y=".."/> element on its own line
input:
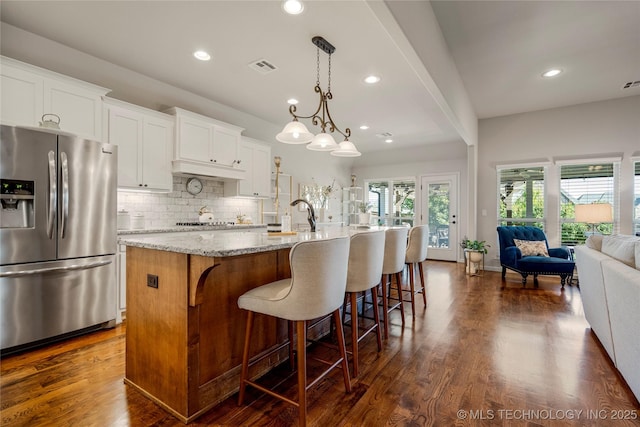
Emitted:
<point x="296" y="132"/>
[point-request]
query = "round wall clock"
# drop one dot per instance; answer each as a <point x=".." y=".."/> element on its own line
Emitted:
<point x="194" y="186"/>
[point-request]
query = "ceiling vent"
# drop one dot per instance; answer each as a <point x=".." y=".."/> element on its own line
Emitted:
<point x="384" y="135"/>
<point x="630" y="85"/>
<point x="262" y="66"/>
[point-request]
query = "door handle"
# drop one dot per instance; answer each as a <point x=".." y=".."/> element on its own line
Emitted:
<point x="74" y="267"/>
<point x="65" y="193"/>
<point x="53" y="189"/>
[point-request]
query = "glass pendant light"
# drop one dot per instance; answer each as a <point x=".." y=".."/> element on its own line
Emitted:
<point x="322" y="142"/>
<point x="294" y="133"/>
<point x="346" y="149"/>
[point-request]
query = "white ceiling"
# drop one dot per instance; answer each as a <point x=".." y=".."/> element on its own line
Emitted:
<point x="500" y="49"/>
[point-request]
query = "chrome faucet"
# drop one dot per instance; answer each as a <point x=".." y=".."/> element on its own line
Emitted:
<point x="311" y="217"/>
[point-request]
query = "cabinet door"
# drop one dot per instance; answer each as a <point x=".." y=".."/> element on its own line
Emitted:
<point x="245" y="186"/>
<point x="21" y="96"/>
<point x="225" y="147"/>
<point x="194" y="140"/>
<point x="125" y="131"/>
<point x="157" y="142"/>
<point x="261" y="168"/>
<point x="80" y="110"/>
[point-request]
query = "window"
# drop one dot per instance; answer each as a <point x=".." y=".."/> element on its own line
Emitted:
<point x="636" y="199"/>
<point x="521" y="193"/>
<point x="586" y="184"/>
<point x="392" y="200"/>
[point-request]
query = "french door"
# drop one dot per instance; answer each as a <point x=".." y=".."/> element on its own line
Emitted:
<point x="439" y="200"/>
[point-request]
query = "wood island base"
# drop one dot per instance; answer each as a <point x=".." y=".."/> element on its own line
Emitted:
<point x="185" y="337"/>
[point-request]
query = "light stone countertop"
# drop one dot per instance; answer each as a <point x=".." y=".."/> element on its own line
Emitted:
<point x="224" y="244"/>
<point x="183" y="228"/>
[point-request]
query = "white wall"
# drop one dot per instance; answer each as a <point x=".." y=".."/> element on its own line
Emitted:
<point x="598" y="129"/>
<point x="133" y="87"/>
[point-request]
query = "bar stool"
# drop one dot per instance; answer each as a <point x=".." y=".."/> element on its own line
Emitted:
<point x="416" y="254"/>
<point x="395" y="247"/>
<point x="366" y="255"/>
<point x="316" y="289"/>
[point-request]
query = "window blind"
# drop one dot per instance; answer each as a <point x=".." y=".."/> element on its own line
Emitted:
<point x="521" y="200"/>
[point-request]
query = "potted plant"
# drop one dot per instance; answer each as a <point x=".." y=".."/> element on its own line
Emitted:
<point x="364" y="217"/>
<point x="475" y="250"/>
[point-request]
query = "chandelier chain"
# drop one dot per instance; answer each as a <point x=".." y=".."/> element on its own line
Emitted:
<point x="317" y="66"/>
<point x="329" y="76"/>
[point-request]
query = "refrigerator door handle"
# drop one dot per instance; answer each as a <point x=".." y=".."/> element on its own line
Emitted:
<point x="54" y="269"/>
<point x="65" y="193"/>
<point x="52" y="194"/>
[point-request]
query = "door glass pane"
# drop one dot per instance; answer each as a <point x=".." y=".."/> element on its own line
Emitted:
<point x="438" y="205"/>
<point x="404" y="196"/>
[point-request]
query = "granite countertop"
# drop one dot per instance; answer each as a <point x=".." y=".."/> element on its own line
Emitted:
<point x="232" y="243"/>
<point x="182" y="228"/>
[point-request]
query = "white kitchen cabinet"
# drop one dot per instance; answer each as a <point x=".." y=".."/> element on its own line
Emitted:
<point x="145" y="143"/>
<point x="255" y="158"/>
<point x="205" y="146"/>
<point x="29" y="92"/>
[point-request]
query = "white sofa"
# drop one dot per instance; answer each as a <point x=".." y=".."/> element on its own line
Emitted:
<point x="609" y="274"/>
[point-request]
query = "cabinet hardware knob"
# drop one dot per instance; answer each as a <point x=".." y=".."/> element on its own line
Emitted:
<point x="139" y="185"/>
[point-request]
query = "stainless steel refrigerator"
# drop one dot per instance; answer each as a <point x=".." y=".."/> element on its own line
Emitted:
<point x="57" y="236"/>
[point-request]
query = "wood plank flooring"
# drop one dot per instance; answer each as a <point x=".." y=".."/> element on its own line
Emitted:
<point x="484" y="352"/>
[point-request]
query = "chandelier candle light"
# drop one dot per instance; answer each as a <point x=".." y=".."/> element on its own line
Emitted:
<point x="297" y="133"/>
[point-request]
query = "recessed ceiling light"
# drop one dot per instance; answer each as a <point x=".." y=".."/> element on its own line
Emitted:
<point x="292" y="101"/>
<point x="552" y="72"/>
<point x="364" y="127"/>
<point x="293" y="7"/>
<point x="388" y="141"/>
<point x="202" y="55"/>
<point x="371" y="79"/>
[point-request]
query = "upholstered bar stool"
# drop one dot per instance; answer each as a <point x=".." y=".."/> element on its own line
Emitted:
<point x="395" y="247"/>
<point x="316" y="289"/>
<point x="416" y="254"/>
<point x="366" y="255"/>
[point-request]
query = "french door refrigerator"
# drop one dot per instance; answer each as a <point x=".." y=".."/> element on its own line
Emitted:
<point x="57" y="236"/>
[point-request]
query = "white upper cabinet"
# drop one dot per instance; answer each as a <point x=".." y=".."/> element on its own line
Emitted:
<point x="205" y="146"/>
<point x="29" y="92"/>
<point x="145" y="143"/>
<point x="255" y="158"/>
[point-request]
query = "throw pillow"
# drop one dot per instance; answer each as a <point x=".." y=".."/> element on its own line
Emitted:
<point x="621" y="247"/>
<point x="595" y="242"/>
<point x="532" y="247"/>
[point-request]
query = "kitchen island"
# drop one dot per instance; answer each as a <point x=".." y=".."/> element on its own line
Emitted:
<point x="184" y="329"/>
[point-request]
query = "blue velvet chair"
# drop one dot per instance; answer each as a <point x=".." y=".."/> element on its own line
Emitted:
<point x="558" y="263"/>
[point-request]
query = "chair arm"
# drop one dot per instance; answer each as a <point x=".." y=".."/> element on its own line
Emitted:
<point x="561" y="252"/>
<point x="511" y="255"/>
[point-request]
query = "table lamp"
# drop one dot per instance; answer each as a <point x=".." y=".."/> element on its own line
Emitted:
<point x="594" y="214"/>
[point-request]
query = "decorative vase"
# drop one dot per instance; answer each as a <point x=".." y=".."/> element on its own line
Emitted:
<point x="364" y="218"/>
<point x="474" y="258"/>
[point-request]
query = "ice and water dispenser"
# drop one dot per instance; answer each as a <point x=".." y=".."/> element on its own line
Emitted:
<point x="17" y="199"/>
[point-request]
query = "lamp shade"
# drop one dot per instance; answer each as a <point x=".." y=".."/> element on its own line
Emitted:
<point x="595" y="213"/>
<point x="322" y="142"/>
<point x="294" y="133"/>
<point x="346" y="149"/>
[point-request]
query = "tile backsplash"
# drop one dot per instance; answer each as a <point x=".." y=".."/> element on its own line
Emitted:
<point x="165" y="209"/>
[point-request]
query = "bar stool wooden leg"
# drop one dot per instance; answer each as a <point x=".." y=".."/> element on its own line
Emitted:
<point x="399" y="287"/>
<point x="343" y="351"/>
<point x="424" y="285"/>
<point x="245" y="357"/>
<point x="413" y="288"/>
<point x="385" y="305"/>
<point x="354" y="331"/>
<point x="301" y="331"/>
<point x="376" y="316"/>
<point x="292" y="364"/>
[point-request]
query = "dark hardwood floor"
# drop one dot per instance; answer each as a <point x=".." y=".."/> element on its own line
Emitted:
<point x="484" y="352"/>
